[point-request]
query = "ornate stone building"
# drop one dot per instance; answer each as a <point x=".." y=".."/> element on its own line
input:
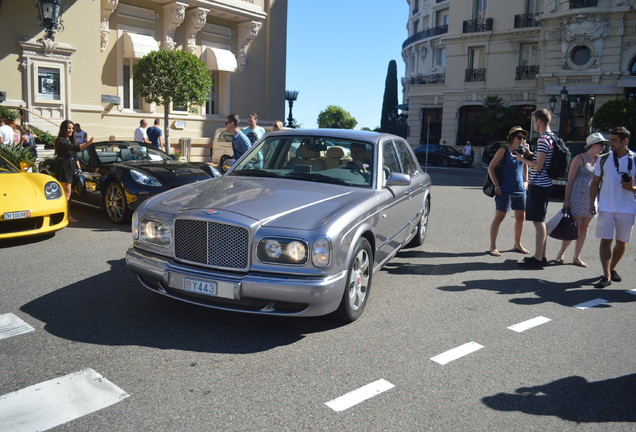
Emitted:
<point x="86" y="72"/>
<point x="531" y="53"/>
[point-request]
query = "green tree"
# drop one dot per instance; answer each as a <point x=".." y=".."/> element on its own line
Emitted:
<point x="494" y="121"/>
<point x="176" y="77"/>
<point x="390" y="101"/>
<point x="617" y="112"/>
<point x="337" y="118"/>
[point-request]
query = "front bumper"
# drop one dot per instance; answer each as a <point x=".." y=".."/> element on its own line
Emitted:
<point x="260" y="293"/>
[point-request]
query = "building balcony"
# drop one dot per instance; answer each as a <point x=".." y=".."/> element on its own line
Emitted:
<point x="478" y="25"/>
<point x="527" y="20"/>
<point x="438" y="78"/>
<point x="475" y="75"/>
<point x="578" y="4"/>
<point x="440" y="1"/>
<point x="434" y="31"/>
<point x="526" y="72"/>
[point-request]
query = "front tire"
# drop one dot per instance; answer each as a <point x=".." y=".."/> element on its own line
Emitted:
<point x="358" y="286"/>
<point x="115" y="204"/>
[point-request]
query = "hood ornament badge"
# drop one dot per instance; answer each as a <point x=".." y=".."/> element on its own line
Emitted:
<point x="211" y="212"/>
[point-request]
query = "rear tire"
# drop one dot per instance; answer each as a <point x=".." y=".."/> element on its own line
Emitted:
<point x="422" y="226"/>
<point x="115" y="204"/>
<point x="358" y="285"/>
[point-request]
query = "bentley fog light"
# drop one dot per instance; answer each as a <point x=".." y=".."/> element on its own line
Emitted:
<point x="52" y="190"/>
<point x="321" y="252"/>
<point x="155" y="232"/>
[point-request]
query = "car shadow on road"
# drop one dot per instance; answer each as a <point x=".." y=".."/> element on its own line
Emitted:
<point x="402" y="268"/>
<point x="113" y="308"/>
<point x="94" y="219"/>
<point x="543" y="291"/>
<point x="574" y="399"/>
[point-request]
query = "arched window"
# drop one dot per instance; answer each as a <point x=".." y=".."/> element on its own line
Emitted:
<point x="632" y="67"/>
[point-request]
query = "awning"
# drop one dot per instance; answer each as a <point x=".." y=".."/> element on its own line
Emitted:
<point x="219" y="59"/>
<point x="137" y="45"/>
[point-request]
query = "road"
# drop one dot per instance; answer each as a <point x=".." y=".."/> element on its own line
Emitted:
<point x="433" y="351"/>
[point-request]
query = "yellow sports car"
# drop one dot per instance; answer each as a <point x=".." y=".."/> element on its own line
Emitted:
<point x="30" y="203"/>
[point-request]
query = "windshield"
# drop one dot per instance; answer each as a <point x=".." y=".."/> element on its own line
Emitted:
<point x="311" y="158"/>
<point x="6" y="167"/>
<point x="128" y="152"/>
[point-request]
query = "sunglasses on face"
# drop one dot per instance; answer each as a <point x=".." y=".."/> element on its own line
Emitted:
<point x="520" y="137"/>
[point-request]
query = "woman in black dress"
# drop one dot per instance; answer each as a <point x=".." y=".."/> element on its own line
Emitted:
<point x="65" y="149"/>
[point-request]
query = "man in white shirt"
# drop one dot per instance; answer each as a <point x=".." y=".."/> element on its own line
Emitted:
<point x="614" y="184"/>
<point x="140" y="132"/>
<point x="6" y="132"/>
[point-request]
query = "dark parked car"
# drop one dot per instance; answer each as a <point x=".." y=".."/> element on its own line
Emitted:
<point x="298" y="226"/>
<point x="575" y="147"/>
<point x="118" y="175"/>
<point x="489" y="151"/>
<point x="441" y="155"/>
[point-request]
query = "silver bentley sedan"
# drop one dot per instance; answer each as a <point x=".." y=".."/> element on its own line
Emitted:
<point x="298" y="226"/>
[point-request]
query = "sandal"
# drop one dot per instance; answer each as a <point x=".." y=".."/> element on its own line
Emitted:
<point x="71" y="219"/>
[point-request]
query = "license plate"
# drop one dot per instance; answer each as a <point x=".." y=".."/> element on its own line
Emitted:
<point x="17" y="215"/>
<point x="199" y="286"/>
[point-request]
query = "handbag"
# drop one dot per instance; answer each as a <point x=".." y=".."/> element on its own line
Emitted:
<point x="567" y="228"/>
<point x="554" y="221"/>
<point x="489" y="186"/>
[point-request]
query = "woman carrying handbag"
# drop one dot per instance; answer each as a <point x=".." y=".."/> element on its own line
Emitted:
<point x="510" y="189"/>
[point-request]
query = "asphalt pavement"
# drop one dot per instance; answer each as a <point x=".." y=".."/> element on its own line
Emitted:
<point x="452" y="339"/>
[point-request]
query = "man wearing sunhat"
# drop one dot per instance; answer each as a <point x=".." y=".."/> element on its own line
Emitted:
<point x="615" y="185"/>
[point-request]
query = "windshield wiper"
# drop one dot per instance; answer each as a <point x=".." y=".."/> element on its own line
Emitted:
<point x="317" y="177"/>
<point x="255" y="173"/>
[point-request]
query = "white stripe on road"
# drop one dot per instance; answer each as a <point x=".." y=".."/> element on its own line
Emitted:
<point x="526" y="325"/>
<point x="360" y="395"/>
<point x="11" y="325"/>
<point x="632" y="291"/>
<point x="52" y="403"/>
<point x="456" y="353"/>
<point x="590" y="304"/>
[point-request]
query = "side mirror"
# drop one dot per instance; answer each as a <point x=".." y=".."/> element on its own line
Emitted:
<point x="227" y="164"/>
<point x="398" y="179"/>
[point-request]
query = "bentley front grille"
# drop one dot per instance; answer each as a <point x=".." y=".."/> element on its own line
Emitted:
<point x="211" y="243"/>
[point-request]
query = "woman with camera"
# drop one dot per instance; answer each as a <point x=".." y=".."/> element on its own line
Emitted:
<point x="577" y="194"/>
<point x="510" y="187"/>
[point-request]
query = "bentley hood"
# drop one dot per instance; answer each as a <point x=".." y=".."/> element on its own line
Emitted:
<point x="274" y="202"/>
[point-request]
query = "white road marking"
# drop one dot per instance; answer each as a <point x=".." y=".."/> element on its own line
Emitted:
<point x="590" y="304"/>
<point x="11" y="325"/>
<point x="52" y="403"/>
<point x="360" y="395"/>
<point x="632" y="291"/>
<point x="456" y="353"/>
<point x="526" y="325"/>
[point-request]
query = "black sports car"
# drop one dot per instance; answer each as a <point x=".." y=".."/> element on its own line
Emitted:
<point x="119" y="175"/>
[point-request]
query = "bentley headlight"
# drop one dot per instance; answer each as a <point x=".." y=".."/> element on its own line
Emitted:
<point x="52" y="190"/>
<point x="155" y="232"/>
<point x="144" y="179"/>
<point x="281" y="250"/>
<point x="134" y="225"/>
<point x="321" y="252"/>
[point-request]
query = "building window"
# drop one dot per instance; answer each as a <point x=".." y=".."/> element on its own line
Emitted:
<point x="528" y="54"/>
<point x="533" y="6"/>
<point x="440" y="56"/>
<point x="211" y="106"/>
<point x="131" y="98"/>
<point x="581" y="55"/>
<point x="476" y="70"/>
<point x="442" y="18"/>
<point x="480" y="9"/>
<point x="48" y="82"/>
<point x="632" y="67"/>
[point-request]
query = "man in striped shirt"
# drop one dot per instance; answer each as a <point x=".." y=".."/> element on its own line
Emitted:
<point x="539" y="186"/>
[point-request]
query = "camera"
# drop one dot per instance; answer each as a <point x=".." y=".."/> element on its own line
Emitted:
<point x="626" y="178"/>
<point x="521" y="150"/>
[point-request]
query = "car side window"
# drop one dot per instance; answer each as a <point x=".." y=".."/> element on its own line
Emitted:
<point x="410" y="165"/>
<point x="390" y="159"/>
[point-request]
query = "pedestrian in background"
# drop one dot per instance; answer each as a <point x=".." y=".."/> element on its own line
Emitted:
<point x="253" y="131"/>
<point x="277" y="126"/>
<point x="6" y="132"/>
<point x="65" y="148"/>
<point x="240" y="142"/>
<point x="469" y="153"/>
<point x="80" y="135"/>
<point x="539" y="186"/>
<point x="577" y="194"/>
<point x="510" y="192"/>
<point x="155" y="135"/>
<point x="140" y="133"/>
<point x="614" y="184"/>
<point x="28" y="140"/>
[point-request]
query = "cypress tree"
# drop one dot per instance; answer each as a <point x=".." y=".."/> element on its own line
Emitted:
<point x="389" y="104"/>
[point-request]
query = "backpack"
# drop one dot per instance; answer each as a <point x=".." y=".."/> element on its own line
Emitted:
<point x="560" y="157"/>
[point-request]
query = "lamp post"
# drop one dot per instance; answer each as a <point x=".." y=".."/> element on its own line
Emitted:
<point x="553" y="101"/>
<point x="49" y="16"/>
<point x="290" y="97"/>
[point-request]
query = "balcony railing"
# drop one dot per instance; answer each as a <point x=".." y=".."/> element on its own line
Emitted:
<point x="578" y="4"/>
<point x="526" y="72"/>
<point x="527" y="20"/>
<point x="438" y="78"/>
<point x="478" y="25"/>
<point x="475" y="75"/>
<point x="433" y="31"/>
<point x="439" y="1"/>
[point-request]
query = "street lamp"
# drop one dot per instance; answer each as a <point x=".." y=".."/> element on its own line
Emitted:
<point x="290" y="97"/>
<point x="553" y="102"/>
<point x="49" y="16"/>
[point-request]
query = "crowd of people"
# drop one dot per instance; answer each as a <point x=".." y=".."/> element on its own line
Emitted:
<point x="598" y="185"/>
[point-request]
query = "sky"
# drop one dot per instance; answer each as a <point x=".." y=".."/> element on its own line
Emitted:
<point x="338" y="53"/>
